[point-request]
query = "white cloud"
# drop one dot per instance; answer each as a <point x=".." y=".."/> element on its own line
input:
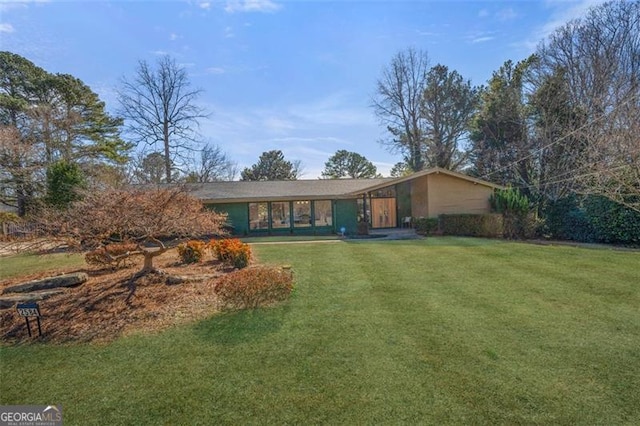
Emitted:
<point x="204" y="5"/>
<point x="563" y="12"/>
<point x="251" y="6"/>
<point x="16" y="4"/>
<point x="173" y="36"/>
<point x="483" y="39"/>
<point x="215" y="70"/>
<point x="228" y="32"/>
<point x="160" y="52"/>
<point x="6" y="28"/>
<point x="483" y="13"/>
<point x="310" y="131"/>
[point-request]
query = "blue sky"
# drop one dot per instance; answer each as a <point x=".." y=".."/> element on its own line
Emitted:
<point x="291" y="75"/>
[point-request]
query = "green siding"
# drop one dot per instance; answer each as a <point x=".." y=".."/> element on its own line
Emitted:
<point x="238" y="216"/>
<point x="346" y="213"/>
<point x="403" y="200"/>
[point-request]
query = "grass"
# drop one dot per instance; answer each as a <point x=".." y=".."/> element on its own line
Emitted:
<point x="438" y="331"/>
<point x="11" y="266"/>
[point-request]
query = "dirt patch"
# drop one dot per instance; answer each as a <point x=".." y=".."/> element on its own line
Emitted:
<point x="98" y="310"/>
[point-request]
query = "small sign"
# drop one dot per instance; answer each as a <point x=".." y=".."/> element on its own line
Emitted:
<point x="30" y="309"/>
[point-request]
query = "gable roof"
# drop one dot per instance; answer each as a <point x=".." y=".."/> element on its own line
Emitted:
<point x="249" y="191"/>
<point x="316" y="189"/>
<point x="434" y="170"/>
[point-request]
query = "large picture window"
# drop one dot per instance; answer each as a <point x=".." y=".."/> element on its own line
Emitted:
<point x="258" y="216"/>
<point x="280" y="215"/>
<point x="302" y="214"/>
<point x="322" y="213"/>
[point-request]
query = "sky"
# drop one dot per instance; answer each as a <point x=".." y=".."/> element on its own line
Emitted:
<point x="297" y="75"/>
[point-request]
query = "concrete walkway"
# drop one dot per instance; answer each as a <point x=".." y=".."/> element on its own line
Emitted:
<point x="396" y="234"/>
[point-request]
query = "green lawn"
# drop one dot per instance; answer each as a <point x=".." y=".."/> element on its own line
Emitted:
<point x="11" y="266"/>
<point x="436" y="331"/>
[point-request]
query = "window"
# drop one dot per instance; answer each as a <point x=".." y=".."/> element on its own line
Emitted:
<point x="280" y="215"/>
<point x="322" y="213"/>
<point x="388" y="192"/>
<point x="258" y="216"/>
<point x="301" y="214"/>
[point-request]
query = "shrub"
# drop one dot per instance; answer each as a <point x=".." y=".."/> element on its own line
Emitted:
<point x="231" y="251"/>
<point x="192" y="251"/>
<point x="426" y="226"/>
<point x="472" y="225"/>
<point x="592" y="219"/>
<point x="254" y="287"/>
<point x="114" y="255"/>
<point x="515" y="207"/>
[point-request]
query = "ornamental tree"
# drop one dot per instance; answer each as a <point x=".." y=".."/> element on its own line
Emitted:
<point x="153" y="219"/>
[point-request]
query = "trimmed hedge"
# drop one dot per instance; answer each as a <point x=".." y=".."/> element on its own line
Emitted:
<point x="426" y="226"/>
<point x="472" y="225"/>
<point x="591" y="219"/>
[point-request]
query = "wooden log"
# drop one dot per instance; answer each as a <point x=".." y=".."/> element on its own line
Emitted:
<point x="10" y="300"/>
<point x="68" y="280"/>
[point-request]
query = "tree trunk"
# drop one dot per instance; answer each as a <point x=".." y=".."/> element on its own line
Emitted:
<point x="148" y="262"/>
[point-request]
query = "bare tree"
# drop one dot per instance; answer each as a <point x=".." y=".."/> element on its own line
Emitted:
<point x="599" y="58"/>
<point x="398" y="105"/>
<point x="20" y="166"/>
<point x="160" y="109"/>
<point x="213" y="165"/>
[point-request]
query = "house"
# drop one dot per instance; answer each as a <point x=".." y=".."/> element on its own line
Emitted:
<point x="325" y="206"/>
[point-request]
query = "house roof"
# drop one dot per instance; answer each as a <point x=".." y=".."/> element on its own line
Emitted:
<point x="317" y="189"/>
<point x="247" y="191"/>
<point x="434" y="170"/>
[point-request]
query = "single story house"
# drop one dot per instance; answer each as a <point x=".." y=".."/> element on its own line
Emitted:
<point x="325" y="206"/>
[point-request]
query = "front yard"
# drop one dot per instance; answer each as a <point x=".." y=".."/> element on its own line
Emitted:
<point x="443" y="330"/>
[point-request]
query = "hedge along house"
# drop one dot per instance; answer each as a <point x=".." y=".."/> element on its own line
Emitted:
<point x="324" y="206"/>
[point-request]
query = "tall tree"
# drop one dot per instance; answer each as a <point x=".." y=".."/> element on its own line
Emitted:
<point x="398" y="104"/>
<point x="500" y="134"/>
<point x="345" y="164"/>
<point x="272" y="166"/>
<point x="448" y="105"/>
<point x="400" y="169"/>
<point x="599" y="56"/>
<point x="48" y="117"/>
<point x="213" y="165"/>
<point x="150" y="169"/>
<point x="65" y="180"/>
<point x="556" y="124"/>
<point x="160" y="108"/>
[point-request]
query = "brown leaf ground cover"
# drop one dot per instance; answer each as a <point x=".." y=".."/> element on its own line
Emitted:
<point x="99" y="311"/>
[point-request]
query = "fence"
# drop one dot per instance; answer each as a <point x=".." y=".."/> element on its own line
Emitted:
<point x="13" y="230"/>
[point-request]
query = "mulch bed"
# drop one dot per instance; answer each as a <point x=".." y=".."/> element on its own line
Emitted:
<point x="99" y="311"/>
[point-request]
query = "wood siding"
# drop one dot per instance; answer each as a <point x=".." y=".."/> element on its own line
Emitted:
<point x="450" y="195"/>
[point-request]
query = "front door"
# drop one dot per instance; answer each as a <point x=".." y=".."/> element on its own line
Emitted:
<point x="383" y="213"/>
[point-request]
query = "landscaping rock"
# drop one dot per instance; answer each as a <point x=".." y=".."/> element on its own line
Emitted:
<point x="9" y="301"/>
<point x="68" y="280"/>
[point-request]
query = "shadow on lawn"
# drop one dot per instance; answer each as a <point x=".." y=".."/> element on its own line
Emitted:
<point x="232" y="328"/>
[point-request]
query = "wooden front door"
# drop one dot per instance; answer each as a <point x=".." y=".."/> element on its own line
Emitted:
<point x="383" y="213"/>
